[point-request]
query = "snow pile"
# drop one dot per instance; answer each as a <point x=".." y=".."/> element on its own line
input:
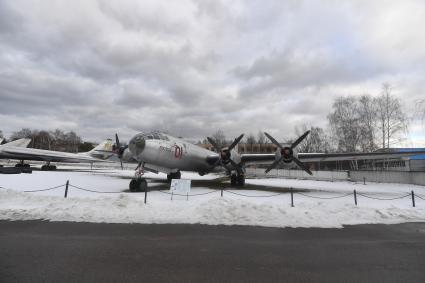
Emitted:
<point x="231" y="209"/>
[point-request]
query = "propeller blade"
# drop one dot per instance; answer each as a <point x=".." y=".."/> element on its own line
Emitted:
<point x="275" y="142"/>
<point x="213" y="143"/>
<point x="273" y="165"/>
<point x="120" y="150"/>
<point x="300" y="139"/>
<point x="302" y="166"/>
<point x="117" y="141"/>
<point x="235" y="142"/>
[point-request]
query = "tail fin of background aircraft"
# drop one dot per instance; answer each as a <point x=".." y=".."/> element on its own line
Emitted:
<point x="103" y="150"/>
<point x="1" y="141"/>
<point x="19" y="143"/>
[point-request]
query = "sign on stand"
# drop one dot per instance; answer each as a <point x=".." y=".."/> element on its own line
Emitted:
<point x="180" y="187"/>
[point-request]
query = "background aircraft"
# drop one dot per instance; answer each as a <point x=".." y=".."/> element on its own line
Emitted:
<point x="18" y="150"/>
<point x="159" y="152"/>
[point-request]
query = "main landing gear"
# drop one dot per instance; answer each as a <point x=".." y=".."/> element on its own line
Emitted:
<point x="22" y="165"/>
<point x="175" y="175"/>
<point x="48" y="167"/>
<point x="237" y="180"/>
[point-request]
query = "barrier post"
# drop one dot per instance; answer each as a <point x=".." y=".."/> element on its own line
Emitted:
<point x="187" y="196"/>
<point x="146" y="194"/>
<point x="292" y="197"/>
<point x="355" y="197"/>
<point x="172" y="195"/>
<point x="221" y="192"/>
<point x="66" y="188"/>
<point x="364" y="180"/>
<point x="413" y="198"/>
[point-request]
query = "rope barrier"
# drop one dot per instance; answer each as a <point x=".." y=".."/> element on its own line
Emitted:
<point x="309" y="196"/>
<point x="93" y="191"/>
<point x="420" y="196"/>
<point x="193" y="195"/>
<point x="363" y="195"/>
<point x="48" y="189"/>
<point x="260" y="196"/>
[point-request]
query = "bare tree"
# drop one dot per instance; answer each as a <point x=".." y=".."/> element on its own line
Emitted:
<point x="219" y="138"/>
<point x="24" y="133"/>
<point x="344" y="123"/>
<point x="392" y="120"/>
<point x="367" y="108"/>
<point x="261" y="139"/>
<point x="250" y="139"/>
<point x="316" y="141"/>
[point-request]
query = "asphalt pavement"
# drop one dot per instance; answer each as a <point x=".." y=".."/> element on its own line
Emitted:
<point x="38" y="251"/>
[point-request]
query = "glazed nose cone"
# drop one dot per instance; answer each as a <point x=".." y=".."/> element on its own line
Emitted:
<point x="137" y="145"/>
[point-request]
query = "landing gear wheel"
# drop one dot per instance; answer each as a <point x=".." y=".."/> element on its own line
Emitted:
<point x="26" y="165"/>
<point x="176" y="175"/>
<point x="233" y="179"/>
<point x="138" y="185"/>
<point x="241" y="180"/>
<point x="48" y="168"/>
<point x="132" y="186"/>
<point x="19" y="165"/>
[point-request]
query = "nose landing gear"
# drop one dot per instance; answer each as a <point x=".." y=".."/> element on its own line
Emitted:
<point x="138" y="185"/>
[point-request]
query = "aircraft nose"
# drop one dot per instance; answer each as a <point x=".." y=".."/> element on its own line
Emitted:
<point x="137" y="145"/>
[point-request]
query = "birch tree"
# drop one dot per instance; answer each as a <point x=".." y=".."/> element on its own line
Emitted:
<point x="392" y="121"/>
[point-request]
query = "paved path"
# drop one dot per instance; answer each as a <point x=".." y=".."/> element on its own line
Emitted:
<point x="36" y="251"/>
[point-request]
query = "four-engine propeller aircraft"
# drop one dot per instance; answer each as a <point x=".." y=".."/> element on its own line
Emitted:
<point x="18" y="150"/>
<point x="159" y="152"/>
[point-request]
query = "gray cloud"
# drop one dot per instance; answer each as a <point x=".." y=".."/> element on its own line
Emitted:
<point x="192" y="67"/>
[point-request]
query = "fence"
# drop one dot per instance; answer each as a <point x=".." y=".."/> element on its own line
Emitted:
<point x="416" y="178"/>
<point x="402" y="177"/>
<point x="412" y="195"/>
<point x="299" y="174"/>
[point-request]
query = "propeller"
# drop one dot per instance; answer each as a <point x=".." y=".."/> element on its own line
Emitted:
<point x="118" y="149"/>
<point x="287" y="153"/>
<point x="225" y="153"/>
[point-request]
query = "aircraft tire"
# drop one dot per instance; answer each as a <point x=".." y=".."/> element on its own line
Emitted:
<point x="142" y="185"/>
<point x="52" y="167"/>
<point x="26" y="165"/>
<point x="177" y="175"/>
<point x="18" y="165"/>
<point x="44" y="168"/>
<point x="132" y="185"/>
<point x="233" y="179"/>
<point x="241" y="180"/>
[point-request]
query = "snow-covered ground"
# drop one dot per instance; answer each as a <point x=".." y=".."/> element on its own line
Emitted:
<point x="118" y="205"/>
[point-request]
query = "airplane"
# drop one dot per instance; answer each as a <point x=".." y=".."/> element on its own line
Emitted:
<point x="159" y="152"/>
<point x="18" y="150"/>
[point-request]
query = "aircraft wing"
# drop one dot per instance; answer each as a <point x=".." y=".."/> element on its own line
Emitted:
<point x="21" y="153"/>
<point x="317" y="157"/>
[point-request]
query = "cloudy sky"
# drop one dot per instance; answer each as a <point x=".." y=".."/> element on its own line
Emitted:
<point x="192" y="67"/>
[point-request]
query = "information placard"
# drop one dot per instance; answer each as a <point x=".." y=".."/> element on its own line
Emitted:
<point x="180" y="186"/>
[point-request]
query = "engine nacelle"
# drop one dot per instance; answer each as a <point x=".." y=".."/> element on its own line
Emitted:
<point x="287" y="153"/>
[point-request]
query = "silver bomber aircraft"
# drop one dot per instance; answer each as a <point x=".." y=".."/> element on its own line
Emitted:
<point x="159" y="152"/>
<point x="18" y="150"/>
